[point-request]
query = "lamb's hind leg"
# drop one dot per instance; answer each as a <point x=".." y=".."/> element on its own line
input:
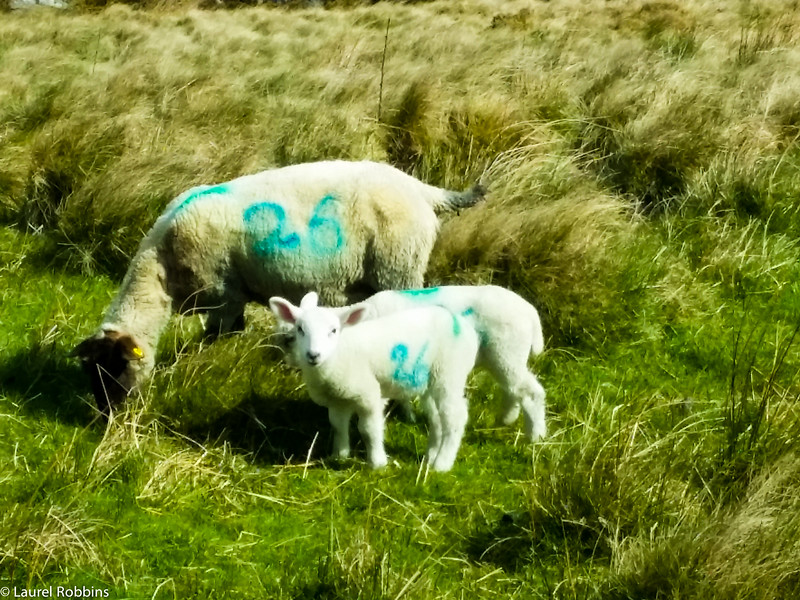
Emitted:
<point x="434" y="428"/>
<point x="511" y="407"/>
<point x="521" y="389"/>
<point x="532" y="398"/>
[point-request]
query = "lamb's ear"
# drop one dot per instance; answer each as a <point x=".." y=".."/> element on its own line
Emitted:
<point x="310" y="300"/>
<point x="355" y="314"/>
<point x="284" y="310"/>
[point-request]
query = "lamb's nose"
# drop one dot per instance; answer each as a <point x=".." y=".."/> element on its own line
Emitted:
<point x="313" y="357"/>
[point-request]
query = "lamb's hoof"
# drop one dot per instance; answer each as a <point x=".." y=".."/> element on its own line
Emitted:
<point x="510" y="417"/>
<point x="379" y="463"/>
<point x="536" y="433"/>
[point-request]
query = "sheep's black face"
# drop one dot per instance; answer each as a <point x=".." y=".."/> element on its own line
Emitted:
<point x="106" y="359"/>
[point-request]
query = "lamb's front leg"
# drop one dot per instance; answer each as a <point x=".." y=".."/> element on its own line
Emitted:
<point x="370" y="424"/>
<point x="340" y="422"/>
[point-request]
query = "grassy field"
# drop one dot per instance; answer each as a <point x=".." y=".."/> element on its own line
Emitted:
<point x="643" y="165"/>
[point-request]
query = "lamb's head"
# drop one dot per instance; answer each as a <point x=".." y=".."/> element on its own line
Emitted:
<point x="110" y="358"/>
<point x="314" y="329"/>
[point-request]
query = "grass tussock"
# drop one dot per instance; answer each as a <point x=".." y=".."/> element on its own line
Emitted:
<point x="642" y="163"/>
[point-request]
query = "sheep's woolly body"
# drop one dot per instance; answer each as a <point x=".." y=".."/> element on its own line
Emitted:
<point x="509" y="329"/>
<point x="426" y="352"/>
<point x="345" y="229"/>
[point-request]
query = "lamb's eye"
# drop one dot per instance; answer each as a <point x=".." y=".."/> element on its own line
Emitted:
<point x="300" y="330"/>
<point x="334" y="331"/>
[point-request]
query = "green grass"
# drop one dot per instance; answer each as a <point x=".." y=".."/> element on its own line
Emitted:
<point x="643" y="164"/>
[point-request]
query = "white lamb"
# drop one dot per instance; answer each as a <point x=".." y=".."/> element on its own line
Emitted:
<point x="351" y="366"/>
<point x="347" y="229"/>
<point x="509" y="330"/>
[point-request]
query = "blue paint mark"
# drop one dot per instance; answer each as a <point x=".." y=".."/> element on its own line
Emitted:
<point x="324" y="231"/>
<point x="412" y="376"/>
<point x="275" y="232"/>
<point x="482" y="338"/>
<point x="420" y="292"/>
<point x="456" y="325"/>
<point x="200" y="192"/>
<point x="271" y="217"/>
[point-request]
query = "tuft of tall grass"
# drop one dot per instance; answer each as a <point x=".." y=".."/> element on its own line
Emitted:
<point x="547" y="232"/>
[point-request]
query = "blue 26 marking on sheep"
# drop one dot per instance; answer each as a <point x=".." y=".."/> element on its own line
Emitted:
<point x="279" y="238"/>
<point x="414" y="376"/>
<point x="200" y="192"/>
<point x="275" y="233"/>
<point x="324" y="231"/>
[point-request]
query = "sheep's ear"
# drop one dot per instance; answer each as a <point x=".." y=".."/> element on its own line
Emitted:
<point x="354" y="315"/>
<point x="284" y="310"/>
<point x="310" y="300"/>
<point x="87" y="349"/>
<point x="99" y="347"/>
<point x="131" y="350"/>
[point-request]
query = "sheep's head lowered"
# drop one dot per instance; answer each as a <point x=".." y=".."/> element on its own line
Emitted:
<point x="110" y="358"/>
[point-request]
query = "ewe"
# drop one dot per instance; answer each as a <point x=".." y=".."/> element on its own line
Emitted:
<point x="347" y="229"/>
<point x="352" y="366"/>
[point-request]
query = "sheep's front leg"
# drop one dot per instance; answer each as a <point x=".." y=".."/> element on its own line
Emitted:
<point x="340" y="422"/>
<point x="370" y="424"/>
<point x="225" y="320"/>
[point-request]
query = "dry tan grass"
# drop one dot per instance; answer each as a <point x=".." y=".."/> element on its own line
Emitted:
<point x="643" y="166"/>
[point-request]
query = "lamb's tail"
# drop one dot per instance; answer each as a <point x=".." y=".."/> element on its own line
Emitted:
<point x="450" y="201"/>
<point x="537" y="341"/>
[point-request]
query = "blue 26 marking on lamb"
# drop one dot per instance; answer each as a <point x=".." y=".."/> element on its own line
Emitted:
<point x="414" y="376"/>
<point x="274" y="231"/>
<point x="422" y="292"/>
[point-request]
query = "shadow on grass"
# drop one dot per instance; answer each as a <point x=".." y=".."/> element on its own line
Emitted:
<point x="505" y="543"/>
<point x="274" y="430"/>
<point x="278" y="430"/>
<point x="43" y="381"/>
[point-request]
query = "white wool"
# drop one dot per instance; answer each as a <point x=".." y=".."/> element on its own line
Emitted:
<point x="509" y="330"/>
<point x="353" y="367"/>
<point x="345" y="229"/>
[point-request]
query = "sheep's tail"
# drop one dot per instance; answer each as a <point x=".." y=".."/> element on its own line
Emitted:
<point x="451" y="201"/>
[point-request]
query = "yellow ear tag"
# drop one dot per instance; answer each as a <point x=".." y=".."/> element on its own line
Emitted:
<point x="137" y="352"/>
